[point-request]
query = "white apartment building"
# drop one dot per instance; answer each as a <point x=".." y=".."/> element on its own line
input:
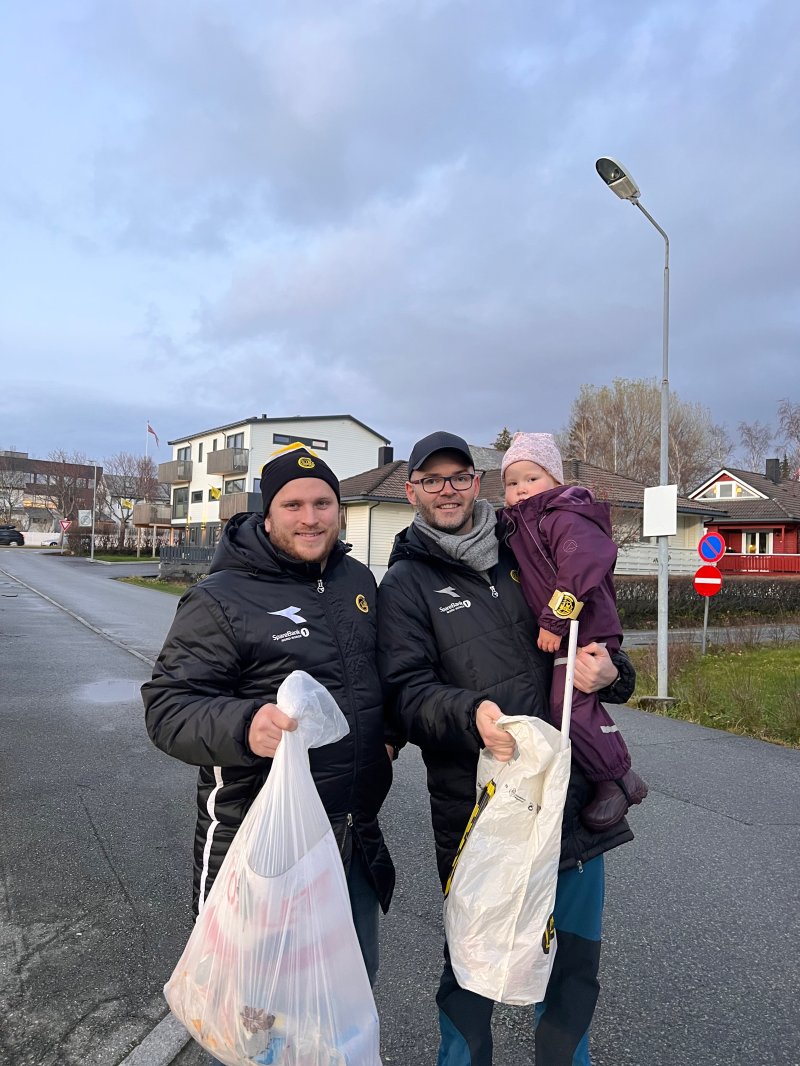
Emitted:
<point x="215" y="473"/>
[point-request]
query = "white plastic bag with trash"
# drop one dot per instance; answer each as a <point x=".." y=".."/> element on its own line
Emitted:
<point x="501" y="894"/>
<point x="272" y="972"/>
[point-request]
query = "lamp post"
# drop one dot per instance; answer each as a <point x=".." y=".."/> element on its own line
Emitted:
<point x="622" y="184"/>
<point x="94" y="508"/>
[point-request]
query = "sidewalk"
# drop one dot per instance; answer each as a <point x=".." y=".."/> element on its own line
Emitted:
<point x="766" y="633"/>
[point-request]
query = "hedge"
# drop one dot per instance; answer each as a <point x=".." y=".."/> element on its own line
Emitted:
<point x="741" y="598"/>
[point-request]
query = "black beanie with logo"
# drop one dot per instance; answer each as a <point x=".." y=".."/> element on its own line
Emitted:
<point x="299" y="462"/>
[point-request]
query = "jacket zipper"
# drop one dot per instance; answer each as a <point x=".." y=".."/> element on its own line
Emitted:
<point x="345" y="677"/>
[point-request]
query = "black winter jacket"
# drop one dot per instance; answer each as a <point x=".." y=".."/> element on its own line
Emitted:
<point x="236" y="635"/>
<point x="448" y="639"/>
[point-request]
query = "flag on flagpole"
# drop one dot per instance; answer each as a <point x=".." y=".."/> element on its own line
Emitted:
<point x="151" y="430"/>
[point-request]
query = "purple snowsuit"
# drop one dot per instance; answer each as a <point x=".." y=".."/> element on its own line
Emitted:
<point x="562" y="540"/>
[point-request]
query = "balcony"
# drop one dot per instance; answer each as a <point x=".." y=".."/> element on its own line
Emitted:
<point x="152" y="514"/>
<point x="228" y="461"/>
<point x="175" y="471"/>
<point x="235" y="502"/>
<point x="759" y="564"/>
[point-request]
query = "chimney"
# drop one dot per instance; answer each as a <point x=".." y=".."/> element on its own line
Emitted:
<point x="774" y="470"/>
<point x="385" y="455"/>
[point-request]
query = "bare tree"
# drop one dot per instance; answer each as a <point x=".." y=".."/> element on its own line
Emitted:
<point x="756" y="439"/>
<point x="127" y="480"/>
<point x="13" y="480"/>
<point x="617" y="427"/>
<point x="789" y="424"/>
<point x="68" y="487"/>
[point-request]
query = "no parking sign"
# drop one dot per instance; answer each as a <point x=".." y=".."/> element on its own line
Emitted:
<point x="711" y="547"/>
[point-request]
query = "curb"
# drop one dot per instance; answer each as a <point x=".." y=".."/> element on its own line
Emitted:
<point x="160" y="1046"/>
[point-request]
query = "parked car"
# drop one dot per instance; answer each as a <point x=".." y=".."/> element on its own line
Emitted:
<point x="11" y="536"/>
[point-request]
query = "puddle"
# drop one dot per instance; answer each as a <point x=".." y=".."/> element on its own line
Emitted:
<point x="110" y="690"/>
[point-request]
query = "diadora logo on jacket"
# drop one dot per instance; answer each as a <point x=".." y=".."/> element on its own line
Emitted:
<point x="293" y="614"/>
<point x="458" y="605"/>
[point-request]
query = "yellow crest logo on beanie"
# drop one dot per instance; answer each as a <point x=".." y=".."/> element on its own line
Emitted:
<point x="306" y="463"/>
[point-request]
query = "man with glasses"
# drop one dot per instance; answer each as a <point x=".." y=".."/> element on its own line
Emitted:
<point x="456" y="649"/>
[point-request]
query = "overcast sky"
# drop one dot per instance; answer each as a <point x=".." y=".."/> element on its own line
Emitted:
<point x="389" y="208"/>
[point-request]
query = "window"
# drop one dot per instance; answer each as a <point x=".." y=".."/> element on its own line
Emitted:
<point x="727" y="490"/>
<point x="184" y="454"/>
<point x="283" y="438"/>
<point x="759" y="542"/>
<point x="214" y="494"/>
<point x="197" y="497"/>
<point x="214" y="444"/>
<point x="236" y="485"/>
<point x="180" y="503"/>
<point x="200" y="452"/>
<point x="256" y="484"/>
<point x="235" y="440"/>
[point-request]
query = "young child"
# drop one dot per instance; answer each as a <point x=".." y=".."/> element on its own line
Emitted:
<point x="561" y="537"/>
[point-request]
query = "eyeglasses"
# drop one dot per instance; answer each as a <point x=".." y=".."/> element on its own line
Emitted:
<point x="460" y="482"/>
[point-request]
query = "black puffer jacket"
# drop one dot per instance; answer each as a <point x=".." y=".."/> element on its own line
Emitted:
<point x="448" y="639"/>
<point x="236" y="635"/>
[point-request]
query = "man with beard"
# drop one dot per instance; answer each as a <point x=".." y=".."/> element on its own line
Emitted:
<point x="456" y="649"/>
<point x="281" y="595"/>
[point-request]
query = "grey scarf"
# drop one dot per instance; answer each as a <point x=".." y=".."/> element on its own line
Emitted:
<point x="478" y="548"/>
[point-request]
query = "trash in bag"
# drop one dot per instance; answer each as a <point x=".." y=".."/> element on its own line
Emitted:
<point x="501" y="892"/>
<point x="272" y="972"/>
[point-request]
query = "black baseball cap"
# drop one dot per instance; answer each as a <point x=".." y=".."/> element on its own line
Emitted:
<point x="437" y="442"/>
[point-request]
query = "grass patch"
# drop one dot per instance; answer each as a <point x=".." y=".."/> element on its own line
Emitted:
<point x="175" y="588"/>
<point x="742" y="688"/>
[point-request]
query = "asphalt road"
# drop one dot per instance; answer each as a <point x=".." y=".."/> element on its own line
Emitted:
<point x="701" y="941"/>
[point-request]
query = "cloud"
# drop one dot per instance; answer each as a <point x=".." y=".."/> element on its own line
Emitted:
<point x="391" y="208"/>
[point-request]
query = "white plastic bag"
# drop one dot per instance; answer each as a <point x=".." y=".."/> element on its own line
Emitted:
<point x="272" y="972"/>
<point x="499" y="907"/>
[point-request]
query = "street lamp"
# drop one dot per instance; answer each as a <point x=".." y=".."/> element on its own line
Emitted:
<point x="622" y="184"/>
<point x="94" y="508"/>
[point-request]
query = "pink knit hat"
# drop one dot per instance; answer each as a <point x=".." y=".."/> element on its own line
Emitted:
<point x="538" y="448"/>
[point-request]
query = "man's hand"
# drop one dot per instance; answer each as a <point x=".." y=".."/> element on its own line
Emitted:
<point x="594" y="669"/>
<point x="548" y="641"/>
<point x="499" y="742"/>
<point x="269" y="723"/>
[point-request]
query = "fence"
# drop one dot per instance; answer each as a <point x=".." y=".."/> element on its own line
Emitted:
<point x="184" y="561"/>
<point x="759" y="564"/>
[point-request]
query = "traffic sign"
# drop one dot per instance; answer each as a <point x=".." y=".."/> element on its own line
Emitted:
<point x="65" y="523"/>
<point x="708" y="581"/>
<point x="711" y="547"/>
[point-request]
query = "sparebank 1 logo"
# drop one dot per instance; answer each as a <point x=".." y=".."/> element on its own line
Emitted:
<point x="294" y="615"/>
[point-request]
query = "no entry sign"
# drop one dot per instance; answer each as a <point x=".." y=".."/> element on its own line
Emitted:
<point x="708" y="581"/>
<point x="711" y="547"/>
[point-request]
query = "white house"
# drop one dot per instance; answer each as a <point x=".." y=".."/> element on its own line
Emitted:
<point x="215" y="473"/>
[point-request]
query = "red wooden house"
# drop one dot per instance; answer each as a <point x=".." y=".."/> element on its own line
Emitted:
<point x="759" y="517"/>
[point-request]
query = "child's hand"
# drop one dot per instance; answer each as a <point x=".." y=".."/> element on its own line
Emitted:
<point x="548" y="641"/>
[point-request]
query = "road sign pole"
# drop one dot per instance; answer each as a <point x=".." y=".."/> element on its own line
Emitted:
<point x="705" y="626"/>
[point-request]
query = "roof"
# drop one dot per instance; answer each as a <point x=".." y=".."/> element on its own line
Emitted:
<point x="263" y="419"/>
<point x="383" y="484"/>
<point x="782" y="503"/>
<point x="386" y="484"/>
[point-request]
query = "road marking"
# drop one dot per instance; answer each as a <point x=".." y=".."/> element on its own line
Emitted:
<point x="78" y="618"/>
